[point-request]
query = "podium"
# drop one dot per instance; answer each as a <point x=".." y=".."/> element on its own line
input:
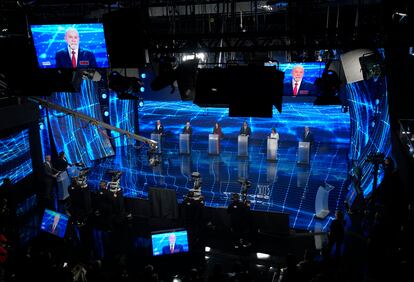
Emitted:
<point x="157" y="137"/>
<point x="213" y="144"/>
<point x="272" y="146"/>
<point x="242" y="146"/>
<point x="184" y="143"/>
<point x="321" y="201"/>
<point x="304" y="153"/>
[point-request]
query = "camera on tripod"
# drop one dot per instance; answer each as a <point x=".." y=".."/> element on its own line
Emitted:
<point x="153" y="156"/>
<point x="196" y="176"/>
<point x="245" y="185"/>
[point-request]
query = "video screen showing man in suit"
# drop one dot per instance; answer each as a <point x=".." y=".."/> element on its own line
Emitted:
<point x="70" y="46"/>
<point x="72" y="55"/>
<point x="172" y="247"/>
<point x="298" y="86"/>
<point x="54" y="223"/>
<point x="169" y="242"/>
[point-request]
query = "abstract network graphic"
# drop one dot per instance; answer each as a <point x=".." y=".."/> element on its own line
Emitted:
<point x="15" y="159"/>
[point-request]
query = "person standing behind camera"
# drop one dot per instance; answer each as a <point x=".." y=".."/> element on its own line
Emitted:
<point x="239" y="216"/>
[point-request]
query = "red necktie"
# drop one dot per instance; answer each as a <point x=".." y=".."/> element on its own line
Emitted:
<point x="295" y="89"/>
<point x="73" y="60"/>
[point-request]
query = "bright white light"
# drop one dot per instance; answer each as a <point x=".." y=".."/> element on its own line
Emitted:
<point x="106" y="113"/>
<point x="104" y="96"/>
<point x="207" y="257"/>
<point x="188" y="57"/>
<point x="201" y="56"/>
<point x="262" y="256"/>
<point x="207" y="249"/>
<point x="259" y="265"/>
<point x="176" y="280"/>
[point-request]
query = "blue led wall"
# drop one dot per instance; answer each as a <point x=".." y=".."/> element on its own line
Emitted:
<point x="370" y="127"/>
<point x="80" y="140"/>
<point x="15" y="159"/>
<point x="121" y="115"/>
<point x="328" y="123"/>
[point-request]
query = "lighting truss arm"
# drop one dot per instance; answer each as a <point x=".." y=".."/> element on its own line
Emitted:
<point x="92" y="121"/>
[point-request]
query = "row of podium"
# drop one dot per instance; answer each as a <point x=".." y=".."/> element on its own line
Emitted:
<point x="184" y="145"/>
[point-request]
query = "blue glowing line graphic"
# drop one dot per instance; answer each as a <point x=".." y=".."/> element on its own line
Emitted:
<point x="15" y="159"/>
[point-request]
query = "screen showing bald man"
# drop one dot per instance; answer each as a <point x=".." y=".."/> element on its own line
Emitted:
<point x="297" y="85"/>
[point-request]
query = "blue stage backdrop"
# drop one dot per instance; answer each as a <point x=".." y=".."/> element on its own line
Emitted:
<point x="80" y="140"/>
<point x="48" y="39"/>
<point x="15" y="159"/>
<point x="370" y="127"/>
<point x="328" y="123"/>
<point x="121" y="114"/>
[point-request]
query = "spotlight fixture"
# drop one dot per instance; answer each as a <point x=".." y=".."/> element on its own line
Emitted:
<point x="126" y="87"/>
<point x="140" y="102"/>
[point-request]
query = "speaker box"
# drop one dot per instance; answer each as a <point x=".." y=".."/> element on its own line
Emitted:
<point x="126" y="33"/>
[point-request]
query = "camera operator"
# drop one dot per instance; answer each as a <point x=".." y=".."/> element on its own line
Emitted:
<point x="239" y="217"/>
<point x="193" y="204"/>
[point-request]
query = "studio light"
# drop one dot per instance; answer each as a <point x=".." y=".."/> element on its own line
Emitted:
<point x="262" y="256"/>
<point x="125" y="87"/>
<point x="106" y="113"/>
<point x="104" y="96"/>
<point x="140" y="102"/>
<point x="143" y="75"/>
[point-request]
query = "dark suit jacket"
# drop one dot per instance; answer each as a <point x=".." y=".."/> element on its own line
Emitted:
<point x="218" y="131"/>
<point x="188" y="131"/>
<point x="160" y="130"/>
<point x="308" y="138"/>
<point x="177" y="249"/>
<point x="245" y="131"/>
<point x="86" y="59"/>
<point x="306" y="88"/>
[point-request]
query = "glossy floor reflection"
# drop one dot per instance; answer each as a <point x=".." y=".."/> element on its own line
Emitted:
<point x="282" y="186"/>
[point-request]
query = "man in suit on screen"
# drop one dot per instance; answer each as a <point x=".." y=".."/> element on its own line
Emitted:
<point x="172" y="247"/>
<point x="73" y="56"/>
<point x="298" y="86"/>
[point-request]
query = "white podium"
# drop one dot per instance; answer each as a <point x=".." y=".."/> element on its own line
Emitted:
<point x="242" y="146"/>
<point x="321" y="201"/>
<point x="213" y="144"/>
<point x="272" y="146"/>
<point x="184" y="143"/>
<point x="303" y="153"/>
<point x="157" y="137"/>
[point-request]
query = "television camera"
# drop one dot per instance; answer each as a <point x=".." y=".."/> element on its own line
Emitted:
<point x="114" y="184"/>
<point x="80" y="179"/>
<point x="195" y="192"/>
<point x="153" y="156"/>
<point x="245" y="185"/>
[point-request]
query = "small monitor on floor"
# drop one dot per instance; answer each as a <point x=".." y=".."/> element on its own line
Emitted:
<point x="169" y="242"/>
<point x="54" y="223"/>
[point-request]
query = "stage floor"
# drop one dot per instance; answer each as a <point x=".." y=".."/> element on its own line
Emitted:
<point x="282" y="186"/>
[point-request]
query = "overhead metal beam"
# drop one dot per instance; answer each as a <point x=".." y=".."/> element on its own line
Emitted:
<point x="92" y="121"/>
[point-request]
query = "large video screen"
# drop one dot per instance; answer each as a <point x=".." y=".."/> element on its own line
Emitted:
<point x="15" y="159"/>
<point x="70" y="45"/>
<point x="169" y="242"/>
<point x="300" y="78"/>
<point x="54" y="223"/>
